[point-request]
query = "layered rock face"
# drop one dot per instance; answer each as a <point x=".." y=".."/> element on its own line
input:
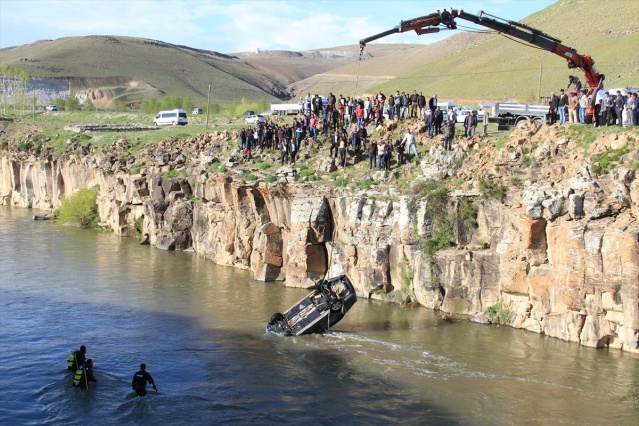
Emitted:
<point x="562" y="260"/>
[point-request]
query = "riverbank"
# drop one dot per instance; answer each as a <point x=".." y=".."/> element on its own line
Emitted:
<point x="537" y="229"/>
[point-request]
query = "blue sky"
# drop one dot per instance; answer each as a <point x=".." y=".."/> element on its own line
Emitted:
<point x="236" y="26"/>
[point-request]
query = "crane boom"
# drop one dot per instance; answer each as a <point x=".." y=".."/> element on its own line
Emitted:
<point x="433" y="23"/>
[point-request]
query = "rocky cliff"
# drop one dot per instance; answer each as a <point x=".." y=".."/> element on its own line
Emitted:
<point x="556" y="253"/>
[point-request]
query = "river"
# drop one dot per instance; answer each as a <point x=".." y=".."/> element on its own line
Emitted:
<point x="200" y="328"/>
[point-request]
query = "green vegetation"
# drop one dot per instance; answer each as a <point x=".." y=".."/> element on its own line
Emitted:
<point x="139" y="227"/>
<point x="170" y="174"/>
<point x="271" y="178"/>
<point x="405" y="292"/>
<point x="367" y="183"/>
<point x="248" y="176"/>
<point x="265" y="166"/>
<point x="308" y="174"/>
<point x="80" y="208"/>
<point x="604" y="163"/>
<point x="498" y="313"/>
<point x="468" y="214"/>
<point x="341" y="182"/>
<point x="217" y="168"/>
<point x="492" y="191"/>
<point x="135" y="169"/>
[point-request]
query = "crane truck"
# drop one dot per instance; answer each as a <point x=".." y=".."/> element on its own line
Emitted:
<point x="446" y="19"/>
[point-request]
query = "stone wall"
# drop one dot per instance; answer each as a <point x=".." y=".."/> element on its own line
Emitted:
<point x="561" y="259"/>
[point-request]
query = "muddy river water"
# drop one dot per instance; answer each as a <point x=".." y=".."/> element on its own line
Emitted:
<point x="200" y="328"/>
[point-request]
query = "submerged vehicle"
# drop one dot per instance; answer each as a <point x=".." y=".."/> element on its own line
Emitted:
<point x="320" y="310"/>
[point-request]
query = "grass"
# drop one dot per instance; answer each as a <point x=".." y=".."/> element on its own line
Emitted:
<point x="185" y="71"/>
<point x="217" y="168"/>
<point x="248" y="176"/>
<point x="492" y="190"/>
<point x="604" y="163"/>
<point x="308" y="174"/>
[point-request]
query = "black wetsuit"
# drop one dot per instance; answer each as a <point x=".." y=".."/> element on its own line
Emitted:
<point x="139" y="382"/>
<point x="80" y="359"/>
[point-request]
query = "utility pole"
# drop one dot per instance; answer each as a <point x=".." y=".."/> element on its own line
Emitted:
<point x="539" y="88"/>
<point x="208" y="105"/>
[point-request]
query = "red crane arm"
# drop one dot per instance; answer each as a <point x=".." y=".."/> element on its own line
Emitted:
<point x="433" y="23"/>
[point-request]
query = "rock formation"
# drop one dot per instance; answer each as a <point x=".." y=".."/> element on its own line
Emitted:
<point x="559" y="255"/>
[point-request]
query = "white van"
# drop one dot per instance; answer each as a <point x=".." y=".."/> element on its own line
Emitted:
<point x="172" y="117"/>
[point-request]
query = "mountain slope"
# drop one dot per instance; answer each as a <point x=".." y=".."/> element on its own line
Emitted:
<point x="489" y="66"/>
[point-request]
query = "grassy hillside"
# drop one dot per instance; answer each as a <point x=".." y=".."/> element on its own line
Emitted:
<point x="126" y="64"/>
<point x="491" y="67"/>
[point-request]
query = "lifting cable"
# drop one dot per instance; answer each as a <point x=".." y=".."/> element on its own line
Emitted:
<point x="330" y="259"/>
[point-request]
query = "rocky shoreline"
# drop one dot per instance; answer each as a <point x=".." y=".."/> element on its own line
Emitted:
<point x="558" y="254"/>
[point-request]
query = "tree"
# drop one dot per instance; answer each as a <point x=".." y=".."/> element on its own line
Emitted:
<point x="120" y="106"/>
<point x="187" y="104"/>
<point x="151" y="105"/>
<point x="71" y="104"/>
<point x="59" y="103"/>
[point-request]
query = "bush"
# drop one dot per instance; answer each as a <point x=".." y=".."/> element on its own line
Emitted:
<point x="80" y="208"/>
<point x="271" y="178"/>
<point x="135" y="169"/>
<point x="492" y="190"/>
<point x="248" y="176"/>
<point x="217" y="168"/>
<point x="340" y="182"/>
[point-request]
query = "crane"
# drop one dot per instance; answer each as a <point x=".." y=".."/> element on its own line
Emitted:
<point x="434" y="22"/>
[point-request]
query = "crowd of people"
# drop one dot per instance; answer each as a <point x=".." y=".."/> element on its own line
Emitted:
<point x="571" y="107"/>
<point x="83" y="373"/>
<point x="341" y="123"/>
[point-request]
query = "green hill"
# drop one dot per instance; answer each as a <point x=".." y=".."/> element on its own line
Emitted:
<point x="133" y="68"/>
<point x="491" y="67"/>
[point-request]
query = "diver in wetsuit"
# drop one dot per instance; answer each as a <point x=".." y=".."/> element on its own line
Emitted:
<point x="84" y="375"/>
<point x="140" y="379"/>
<point x="77" y="359"/>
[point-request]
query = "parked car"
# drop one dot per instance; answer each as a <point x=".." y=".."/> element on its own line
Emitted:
<point x="252" y="119"/>
<point x="52" y="108"/>
<point x="463" y="113"/>
<point x="172" y="118"/>
<point x="248" y="113"/>
<point x="197" y="111"/>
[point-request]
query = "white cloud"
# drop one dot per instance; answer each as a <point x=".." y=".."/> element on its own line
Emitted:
<point x="229" y="26"/>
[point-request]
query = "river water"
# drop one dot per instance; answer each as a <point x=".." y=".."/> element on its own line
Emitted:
<point x="200" y="328"/>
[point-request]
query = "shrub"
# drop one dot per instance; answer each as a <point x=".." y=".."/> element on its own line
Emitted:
<point x="492" y="190"/>
<point x="80" y="208"/>
<point x="217" y="168"/>
<point x="248" y="176"/>
<point x="340" y="182"/>
<point x="308" y="174"/>
<point x="170" y="174"/>
<point x="264" y="166"/>
<point x="271" y="178"/>
<point x="135" y="169"/>
<point x="367" y="183"/>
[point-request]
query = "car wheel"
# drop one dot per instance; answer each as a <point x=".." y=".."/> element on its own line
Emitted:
<point x="174" y="123"/>
<point x="336" y="305"/>
<point x="275" y="318"/>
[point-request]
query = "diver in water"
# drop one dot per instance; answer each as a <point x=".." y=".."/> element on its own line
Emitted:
<point x="84" y="375"/>
<point x="77" y="359"/>
<point x="140" y="380"/>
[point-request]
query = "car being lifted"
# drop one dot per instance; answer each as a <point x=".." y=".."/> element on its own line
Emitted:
<point x="317" y="312"/>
